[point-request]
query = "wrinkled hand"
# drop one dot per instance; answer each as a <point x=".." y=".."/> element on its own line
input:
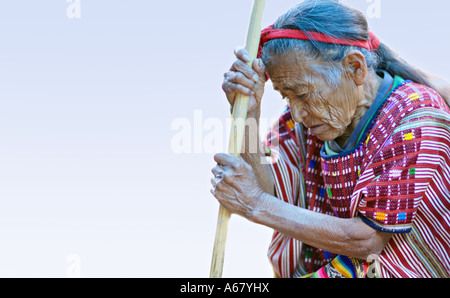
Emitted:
<point x="235" y="185"/>
<point x="245" y="80"/>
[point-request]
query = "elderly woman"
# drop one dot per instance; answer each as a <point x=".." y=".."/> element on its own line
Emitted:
<point x="359" y="160"/>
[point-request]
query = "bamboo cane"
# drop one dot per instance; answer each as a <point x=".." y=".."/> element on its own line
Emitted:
<point x="239" y="116"/>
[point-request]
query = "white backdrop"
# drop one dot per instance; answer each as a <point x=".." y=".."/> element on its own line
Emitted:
<point x="91" y="93"/>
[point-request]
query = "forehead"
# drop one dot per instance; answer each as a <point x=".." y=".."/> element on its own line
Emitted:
<point x="290" y="71"/>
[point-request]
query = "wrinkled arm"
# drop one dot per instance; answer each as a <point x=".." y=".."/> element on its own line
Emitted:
<point x="237" y="189"/>
<point x="349" y="237"/>
<point x="255" y="157"/>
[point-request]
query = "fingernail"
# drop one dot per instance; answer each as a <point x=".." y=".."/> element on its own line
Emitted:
<point x="260" y="63"/>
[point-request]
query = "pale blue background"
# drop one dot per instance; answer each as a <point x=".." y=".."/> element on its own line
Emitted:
<point x="86" y="107"/>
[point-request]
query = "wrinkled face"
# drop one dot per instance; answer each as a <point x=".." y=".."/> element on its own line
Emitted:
<point x="327" y="111"/>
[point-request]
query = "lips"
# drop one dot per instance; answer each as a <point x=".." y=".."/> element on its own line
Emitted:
<point x="312" y="126"/>
<point x="316" y="129"/>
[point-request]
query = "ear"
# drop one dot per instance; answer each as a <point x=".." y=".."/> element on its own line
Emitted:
<point x="356" y="65"/>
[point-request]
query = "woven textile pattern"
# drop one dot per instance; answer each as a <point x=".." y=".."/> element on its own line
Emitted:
<point x="396" y="180"/>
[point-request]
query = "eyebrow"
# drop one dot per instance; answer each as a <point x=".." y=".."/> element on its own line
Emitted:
<point x="292" y="88"/>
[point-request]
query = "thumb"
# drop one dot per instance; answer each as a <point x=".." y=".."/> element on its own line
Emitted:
<point x="260" y="69"/>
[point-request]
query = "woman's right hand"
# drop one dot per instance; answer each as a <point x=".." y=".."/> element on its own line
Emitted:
<point x="245" y="80"/>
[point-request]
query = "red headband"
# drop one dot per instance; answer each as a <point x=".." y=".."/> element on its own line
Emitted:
<point x="269" y="34"/>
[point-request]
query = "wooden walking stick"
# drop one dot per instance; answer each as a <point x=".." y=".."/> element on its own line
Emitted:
<point x="239" y="117"/>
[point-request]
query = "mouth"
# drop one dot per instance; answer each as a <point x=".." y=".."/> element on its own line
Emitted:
<point x="316" y="129"/>
<point x="313" y="126"/>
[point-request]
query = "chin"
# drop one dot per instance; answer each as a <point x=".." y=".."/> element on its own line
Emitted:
<point x="325" y="139"/>
<point x="329" y="135"/>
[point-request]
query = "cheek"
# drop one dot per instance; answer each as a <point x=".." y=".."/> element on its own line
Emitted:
<point x="342" y="107"/>
<point x="329" y="109"/>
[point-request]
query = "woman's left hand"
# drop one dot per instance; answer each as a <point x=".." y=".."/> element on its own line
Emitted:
<point x="235" y="185"/>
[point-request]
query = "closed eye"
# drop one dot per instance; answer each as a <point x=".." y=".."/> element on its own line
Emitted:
<point x="302" y="96"/>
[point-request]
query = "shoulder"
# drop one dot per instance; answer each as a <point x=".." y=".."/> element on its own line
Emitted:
<point x="414" y="117"/>
<point x="410" y="103"/>
<point x="411" y="96"/>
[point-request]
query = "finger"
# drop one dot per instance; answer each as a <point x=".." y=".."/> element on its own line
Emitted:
<point x="217" y="171"/>
<point x="233" y="88"/>
<point x="260" y="69"/>
<point x="226" y="160"/>
<point x="219" y="186"/>
<point x="214" y="182"/>
<point x="242" y="54"/>
<point x="225" y="195"/>
<point x="216" y="190"/>
<point x="237" y="77"/>
<point x="229" y="91"/>
<point x="247" y="71"/>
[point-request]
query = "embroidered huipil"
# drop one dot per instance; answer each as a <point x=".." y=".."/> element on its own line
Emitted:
<point x="393" y="173"/>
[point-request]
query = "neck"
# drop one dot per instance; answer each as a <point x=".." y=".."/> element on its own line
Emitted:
<point x="368" y="92"/>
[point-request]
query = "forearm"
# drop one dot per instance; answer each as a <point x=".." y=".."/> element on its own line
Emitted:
<point x="253" y="153"/>
<point x="349" y="237"/>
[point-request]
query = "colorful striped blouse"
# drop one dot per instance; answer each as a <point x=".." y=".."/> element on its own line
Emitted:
<point x="396" y="179"/>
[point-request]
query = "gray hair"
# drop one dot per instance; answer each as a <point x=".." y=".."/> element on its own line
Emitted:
<point x="342" y="22"/>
